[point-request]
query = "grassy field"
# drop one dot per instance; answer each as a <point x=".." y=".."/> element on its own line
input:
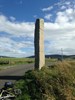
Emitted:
<point x="8" y="62"/>
<point x="56" y="82"/>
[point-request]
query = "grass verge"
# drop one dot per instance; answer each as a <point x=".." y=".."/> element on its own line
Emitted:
<point x="50" y="83"/>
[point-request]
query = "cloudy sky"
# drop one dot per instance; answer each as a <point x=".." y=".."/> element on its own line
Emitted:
<point x="17" y="24"/>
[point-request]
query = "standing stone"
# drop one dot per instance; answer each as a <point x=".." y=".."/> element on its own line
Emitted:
<point x="39" y="44"/>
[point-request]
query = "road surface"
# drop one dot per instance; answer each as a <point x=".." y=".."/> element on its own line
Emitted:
<point x="14" y="73"/>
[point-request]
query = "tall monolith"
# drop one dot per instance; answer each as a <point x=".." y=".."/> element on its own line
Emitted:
<point x="39" y="44"/>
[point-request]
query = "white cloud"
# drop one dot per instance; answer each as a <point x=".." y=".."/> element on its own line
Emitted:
<point x="48" y="16"/>
<point x="66" y="3"/>
<point x="63" y="7"/>
<point x="16" y="28"/>
<point x="9" y="47"/>
<point x="48" y="8"/>
<point x="66" y="16"/>
<point x="61" y="33"/>
<point x="60" y="38"/>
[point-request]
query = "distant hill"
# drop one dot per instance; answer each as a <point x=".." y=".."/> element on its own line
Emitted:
<point x="6" y="57"/>
<point x="57" y="56"/>
<point x="47" y="56"/>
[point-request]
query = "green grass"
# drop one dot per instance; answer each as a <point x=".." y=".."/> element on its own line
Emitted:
<point x="50" y="83"/>
<point x="6" y="62"/>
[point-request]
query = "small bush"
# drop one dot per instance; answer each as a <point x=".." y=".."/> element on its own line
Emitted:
<point x="4" y="62"/>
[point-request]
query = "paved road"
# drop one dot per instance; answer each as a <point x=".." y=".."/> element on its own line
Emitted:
<point x="14" y="73"/>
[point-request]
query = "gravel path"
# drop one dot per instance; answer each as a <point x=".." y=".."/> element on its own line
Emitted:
<point x="14" y="73"/>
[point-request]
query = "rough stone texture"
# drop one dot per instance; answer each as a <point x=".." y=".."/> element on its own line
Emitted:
<point x="39" y="44"/>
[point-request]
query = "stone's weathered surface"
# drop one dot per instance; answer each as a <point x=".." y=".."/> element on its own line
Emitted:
<point x="39" y="44"/>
